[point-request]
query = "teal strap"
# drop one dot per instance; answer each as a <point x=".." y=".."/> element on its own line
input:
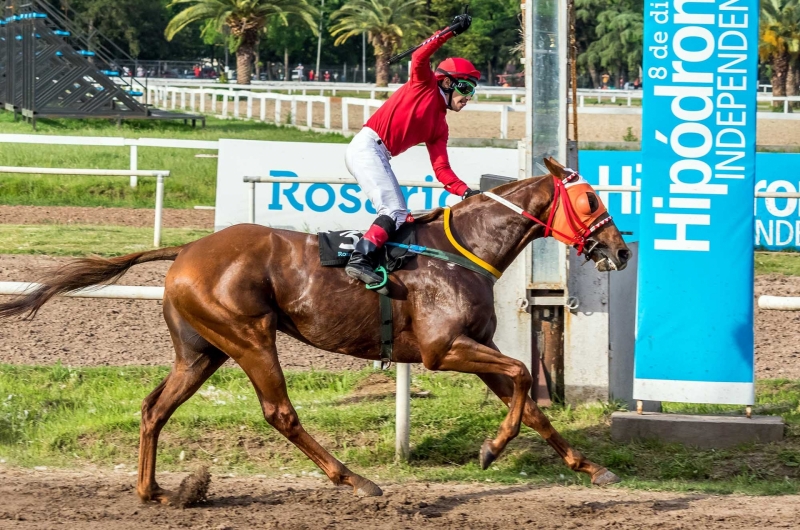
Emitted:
<point x="448" y="257"/>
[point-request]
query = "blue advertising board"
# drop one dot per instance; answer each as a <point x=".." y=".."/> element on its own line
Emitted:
<point x="777" y="225"/>
<point x="697" y="222"/>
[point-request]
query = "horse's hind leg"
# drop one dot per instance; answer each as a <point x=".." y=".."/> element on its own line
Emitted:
<point x="534" y="418"/>
<point x="195" y="361"/>
<point x="261" y="365"/>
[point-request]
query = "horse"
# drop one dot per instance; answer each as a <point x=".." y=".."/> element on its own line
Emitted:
<point x="227" y="294"/>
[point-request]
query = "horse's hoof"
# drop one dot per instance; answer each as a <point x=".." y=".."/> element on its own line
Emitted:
<point x="367" y="488"/>
<point x="157" y="494"/>
<point x="604" y="477"/>
<point x="487" y="455"/>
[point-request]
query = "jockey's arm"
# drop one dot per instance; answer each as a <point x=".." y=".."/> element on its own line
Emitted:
<point x="420" y="59"/>
<point x="441" y="167"/>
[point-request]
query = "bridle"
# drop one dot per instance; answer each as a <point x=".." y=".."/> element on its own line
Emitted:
<point x="581" y="232"/>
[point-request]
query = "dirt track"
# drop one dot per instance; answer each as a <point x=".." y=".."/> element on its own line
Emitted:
<point x="93" y="501"/>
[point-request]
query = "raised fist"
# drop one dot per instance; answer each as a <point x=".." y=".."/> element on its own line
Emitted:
<point x="461" y="23"/>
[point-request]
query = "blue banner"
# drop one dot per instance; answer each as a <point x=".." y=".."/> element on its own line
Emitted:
<point x="777" y="220"/>
<point x="694" y="338"/>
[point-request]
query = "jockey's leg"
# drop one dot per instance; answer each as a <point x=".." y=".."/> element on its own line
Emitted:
<point x="367" y="160"/>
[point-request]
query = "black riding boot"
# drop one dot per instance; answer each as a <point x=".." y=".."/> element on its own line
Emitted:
<point x="363" y="262"/>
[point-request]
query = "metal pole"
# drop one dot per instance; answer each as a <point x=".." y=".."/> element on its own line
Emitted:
<point x="319" y="40"/>
<point x="134" y="164"/>
<point x="364" y="57"/>
<point x="252" y="216"/>
<point x="402" y="448"/>
<point x="159" y="208"/>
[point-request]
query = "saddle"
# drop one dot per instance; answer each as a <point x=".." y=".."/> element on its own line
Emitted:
<point x="336" y="247"/>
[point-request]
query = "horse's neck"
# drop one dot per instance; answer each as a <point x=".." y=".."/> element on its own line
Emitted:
<point x="494" y="232"/>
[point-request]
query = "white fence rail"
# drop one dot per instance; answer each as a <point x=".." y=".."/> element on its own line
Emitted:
<point x="105" y="141"/>
<point x="123" y="292"/>
<point x="157" y="173"/>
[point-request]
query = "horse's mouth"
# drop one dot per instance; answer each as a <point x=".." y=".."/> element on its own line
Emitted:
<point x="609" y="263"/>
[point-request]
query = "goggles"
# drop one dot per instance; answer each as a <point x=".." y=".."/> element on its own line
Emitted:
<point x="464" y="87"/>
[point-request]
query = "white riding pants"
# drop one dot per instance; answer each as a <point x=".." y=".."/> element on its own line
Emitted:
<point x="367" y="159"/>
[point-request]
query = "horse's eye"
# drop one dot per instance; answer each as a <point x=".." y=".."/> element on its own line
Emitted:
<point x="593" y="202"/>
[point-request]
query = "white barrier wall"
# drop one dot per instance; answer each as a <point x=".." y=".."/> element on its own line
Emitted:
<point x="320" y="207"/>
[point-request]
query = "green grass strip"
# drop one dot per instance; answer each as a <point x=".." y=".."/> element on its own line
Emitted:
<point x="67" y="417"/>
<point x="192" y="180"/>
<point x="80" y="240"/>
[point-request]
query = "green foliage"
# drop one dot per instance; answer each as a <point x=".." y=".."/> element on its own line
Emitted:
<point x="385" y="22"/>
<point x="493" y="42"/>
<point x="610" y="35"/>
<point x="787" y="263"/>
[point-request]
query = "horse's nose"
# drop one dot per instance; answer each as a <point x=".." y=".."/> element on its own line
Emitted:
<point x="623" y="255"/>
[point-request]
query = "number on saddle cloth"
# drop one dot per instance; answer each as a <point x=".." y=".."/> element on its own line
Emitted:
<point x="336" y="247"/>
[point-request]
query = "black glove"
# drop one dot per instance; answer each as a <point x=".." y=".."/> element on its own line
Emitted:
<point x="461" y="23"/>
<point x="469" y="193"/>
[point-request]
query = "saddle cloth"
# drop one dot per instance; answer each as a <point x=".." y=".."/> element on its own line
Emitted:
<point x="336" y="247"/>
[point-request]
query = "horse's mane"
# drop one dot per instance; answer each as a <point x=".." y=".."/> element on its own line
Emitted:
<point x="435" y="215"/>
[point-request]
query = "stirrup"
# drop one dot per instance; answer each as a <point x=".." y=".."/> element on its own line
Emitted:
<point x="382" y="283"/>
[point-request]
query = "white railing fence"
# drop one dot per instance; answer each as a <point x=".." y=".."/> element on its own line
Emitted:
<point x="158" y="174"/>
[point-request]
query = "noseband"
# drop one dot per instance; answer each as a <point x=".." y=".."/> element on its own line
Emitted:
<point x="581" y="233"/>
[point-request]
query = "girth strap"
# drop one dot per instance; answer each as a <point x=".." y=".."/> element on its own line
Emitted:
<point x="387" y="332"/>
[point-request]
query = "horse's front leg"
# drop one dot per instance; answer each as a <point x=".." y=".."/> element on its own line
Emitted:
<point x="466" y="355"/>
<point x="534" y="418"/>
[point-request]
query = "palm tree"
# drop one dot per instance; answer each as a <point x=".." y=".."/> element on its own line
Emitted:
<point x="246" y="19"/>
<point x="780" y="42"/>
<point x="385" y="23"/>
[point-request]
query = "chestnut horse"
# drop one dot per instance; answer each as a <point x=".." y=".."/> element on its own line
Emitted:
<point x="228" y="294"/>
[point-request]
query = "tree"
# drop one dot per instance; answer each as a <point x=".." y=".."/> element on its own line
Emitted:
<point x="246" y="19"/>
<point x="385" y="22"/>
<point x="779" y="44"/>
<point x="494" y="39"/>
<point x="615" y="41"/>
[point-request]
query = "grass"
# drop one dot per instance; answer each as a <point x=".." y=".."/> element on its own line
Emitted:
<point x="77" y="240"/>
<point x="66" y="417"/>
<point x="192" y="180"/>
<point x="786" y="263"/>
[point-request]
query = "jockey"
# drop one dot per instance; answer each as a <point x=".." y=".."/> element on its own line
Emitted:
<point x="414" y="114"/>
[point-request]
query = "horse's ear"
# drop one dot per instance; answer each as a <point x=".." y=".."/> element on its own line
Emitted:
<point x="555" y="169"/>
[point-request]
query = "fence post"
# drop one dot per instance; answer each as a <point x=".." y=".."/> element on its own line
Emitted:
<point x="504" y="122"/>
<point x="372" y="94"/>
<point x="294" y="111"/>
<point x="249" y="105"/>
<point x="174" y="98"/>
<point x="263" y="108"/>
<point x="236" y="105"/>
<point x="580" y="98"/>
<point x="251" y="218"/>
<point x="277" y="109"/>
<point x="402" y="411"/>
<point x="193" y="93"/>
<point x="513" y="98"/>
<point x="134" y="164"/>
<point x="327" y="107"/>
<point x="159" y="208"/>
<point x="345" y="116"/>
<point x="225" y="105"/>
<point x="213" y="102"/>
<point x="309" y="113"/>
<point x="183" y="99"/>
<point x="786" y="106"/>
<point x="366" y="112"/>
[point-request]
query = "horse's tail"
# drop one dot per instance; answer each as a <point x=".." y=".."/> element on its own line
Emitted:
<point x="78" y="274"/>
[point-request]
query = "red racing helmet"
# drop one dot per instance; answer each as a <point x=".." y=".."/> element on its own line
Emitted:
<point x="458" y="68"/>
